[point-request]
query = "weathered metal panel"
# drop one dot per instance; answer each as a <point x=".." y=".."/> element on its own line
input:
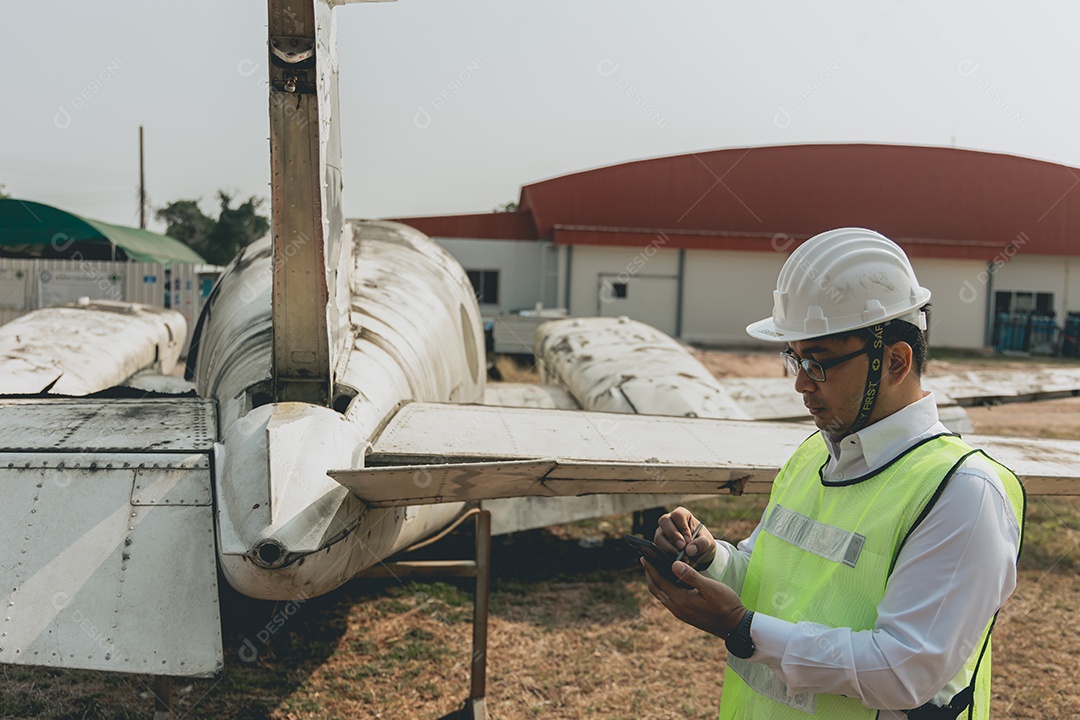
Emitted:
<point x="606" y="453"/>
<point x="975" y="388"/>
<point x="90" y="581"/>
<point x="91" y="426"/>
<point x="620" y="365"/>
<point x="520" y="394"/>
<point x="311" y="253"/>
<point x="777" y="399"/>
<point x="82" y="349"/>
<point x="171" y="479"/>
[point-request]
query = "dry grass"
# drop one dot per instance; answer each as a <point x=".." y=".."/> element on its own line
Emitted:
<point x="574" y="632"/>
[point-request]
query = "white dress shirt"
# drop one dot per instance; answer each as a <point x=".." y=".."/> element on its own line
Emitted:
<point x="953" y="573"/>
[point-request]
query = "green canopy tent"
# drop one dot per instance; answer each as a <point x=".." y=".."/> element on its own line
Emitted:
<point x="30" y="229"/>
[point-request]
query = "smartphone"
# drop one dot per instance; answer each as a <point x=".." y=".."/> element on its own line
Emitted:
<point x="656" y="557"/>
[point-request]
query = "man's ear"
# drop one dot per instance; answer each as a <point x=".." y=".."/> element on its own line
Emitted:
<point x="901" y="358"/>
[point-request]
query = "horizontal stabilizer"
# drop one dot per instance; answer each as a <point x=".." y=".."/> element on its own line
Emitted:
<point x="433" y="452"/>
<point x="107" y="552"/>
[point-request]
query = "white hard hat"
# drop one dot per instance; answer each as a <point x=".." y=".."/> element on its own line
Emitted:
<point x="842" y="280"/>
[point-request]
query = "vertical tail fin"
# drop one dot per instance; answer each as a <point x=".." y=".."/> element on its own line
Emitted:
<point x="311" y="254"/>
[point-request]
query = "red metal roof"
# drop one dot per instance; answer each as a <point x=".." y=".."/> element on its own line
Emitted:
<point x="936" y="202"/>
<point x="484" y="226"/>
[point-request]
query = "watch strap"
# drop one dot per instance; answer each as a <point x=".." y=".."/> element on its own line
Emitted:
<point x="739" y="642"/>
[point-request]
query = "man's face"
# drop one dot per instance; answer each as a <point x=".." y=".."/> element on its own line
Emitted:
<point x="835" y="402"/>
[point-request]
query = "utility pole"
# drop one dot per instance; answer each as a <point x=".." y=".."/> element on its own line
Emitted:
<point x="142" y="183"/>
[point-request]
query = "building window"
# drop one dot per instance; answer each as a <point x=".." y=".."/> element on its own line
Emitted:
<point x="618" y="290"/>
<point x="486" y="285"/>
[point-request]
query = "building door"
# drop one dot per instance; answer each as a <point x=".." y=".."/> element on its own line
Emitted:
<point x="651" y="299"/>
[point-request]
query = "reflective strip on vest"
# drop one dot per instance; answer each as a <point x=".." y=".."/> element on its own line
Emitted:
<point x="764" y="682"/>
<point x="813" y="536"/>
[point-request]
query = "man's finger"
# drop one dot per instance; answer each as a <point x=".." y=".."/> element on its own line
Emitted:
<point x="687" y="574"/>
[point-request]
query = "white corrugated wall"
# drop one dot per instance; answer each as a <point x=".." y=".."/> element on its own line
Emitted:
<point x="29" y="284"/>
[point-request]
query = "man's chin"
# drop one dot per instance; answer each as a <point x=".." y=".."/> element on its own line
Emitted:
<point x="831" y="427"/>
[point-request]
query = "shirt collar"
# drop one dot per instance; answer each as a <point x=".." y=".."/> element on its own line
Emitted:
<point x="882" y="441"/>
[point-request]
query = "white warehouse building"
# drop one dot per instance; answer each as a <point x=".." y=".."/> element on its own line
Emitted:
<point x="693" y="244"/>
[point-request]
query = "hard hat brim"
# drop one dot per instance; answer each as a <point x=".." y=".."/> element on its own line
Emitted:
<point x="767" y="330"/>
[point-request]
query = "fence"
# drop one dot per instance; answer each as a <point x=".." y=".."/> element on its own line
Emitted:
<point x="29" y="284"/>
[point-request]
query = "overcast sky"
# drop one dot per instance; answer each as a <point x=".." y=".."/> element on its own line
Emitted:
<point x="449" y="106"/>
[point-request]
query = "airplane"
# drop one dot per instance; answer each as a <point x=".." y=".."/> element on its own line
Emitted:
<point x="337" y="419"/>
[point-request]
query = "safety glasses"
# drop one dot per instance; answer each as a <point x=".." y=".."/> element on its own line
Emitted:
<point x="816" y="370"/>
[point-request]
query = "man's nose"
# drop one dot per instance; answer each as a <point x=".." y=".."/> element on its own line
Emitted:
<point x="804" y="383"/>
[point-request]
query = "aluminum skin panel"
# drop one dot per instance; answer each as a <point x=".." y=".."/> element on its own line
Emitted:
<point x="89" y="426"/>
<point x="82" y="349"/>
<point x="607" y="453"/>
<point x="620" y="365"/>
<point x="92" y="581"/>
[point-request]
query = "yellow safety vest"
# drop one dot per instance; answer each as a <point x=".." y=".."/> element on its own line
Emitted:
<point x="824" y="555"/>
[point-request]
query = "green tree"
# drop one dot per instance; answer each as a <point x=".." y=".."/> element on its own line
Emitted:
<point x="216" y="240"/>
<point x="3" y="192"/>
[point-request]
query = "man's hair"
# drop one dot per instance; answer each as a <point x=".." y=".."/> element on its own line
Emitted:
<point x="898" y="331"/>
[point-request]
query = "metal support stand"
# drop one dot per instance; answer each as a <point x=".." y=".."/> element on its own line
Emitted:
<point x="476" y="708"/>
<point x="480" y="568"/>
<point x="162" y="689"/>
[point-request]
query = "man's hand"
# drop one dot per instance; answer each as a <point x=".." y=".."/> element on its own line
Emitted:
<point x="708" y="605"/>
<point x="674" y="531"/>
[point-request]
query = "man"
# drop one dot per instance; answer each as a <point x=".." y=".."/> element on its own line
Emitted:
<point x="869" y="588"/>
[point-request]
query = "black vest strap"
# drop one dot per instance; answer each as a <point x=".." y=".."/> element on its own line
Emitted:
<point x="961" y="701"/>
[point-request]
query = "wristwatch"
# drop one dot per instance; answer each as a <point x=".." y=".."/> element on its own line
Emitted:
<point x="738" y="641"/>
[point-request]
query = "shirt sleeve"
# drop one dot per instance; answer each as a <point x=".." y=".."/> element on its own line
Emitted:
<point x="953" y="573"/>
<point x="729" y="565"/>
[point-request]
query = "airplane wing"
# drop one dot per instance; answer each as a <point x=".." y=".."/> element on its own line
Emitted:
<point x="431" y="452"/>
<point x="83" y="348"/>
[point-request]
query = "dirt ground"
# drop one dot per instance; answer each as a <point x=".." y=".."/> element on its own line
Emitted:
<point x="573" y="631"/>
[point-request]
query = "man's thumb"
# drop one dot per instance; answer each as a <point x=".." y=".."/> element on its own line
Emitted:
<point x="687" y="574"/>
